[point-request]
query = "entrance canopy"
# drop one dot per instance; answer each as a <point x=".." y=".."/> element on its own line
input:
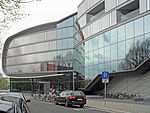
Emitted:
<point x="40" y="76"/>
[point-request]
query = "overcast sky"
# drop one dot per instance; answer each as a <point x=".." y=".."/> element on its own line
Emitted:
<point x="44" y="11"/>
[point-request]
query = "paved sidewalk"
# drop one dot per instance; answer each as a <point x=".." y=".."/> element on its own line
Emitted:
<point x="119" y="106"/>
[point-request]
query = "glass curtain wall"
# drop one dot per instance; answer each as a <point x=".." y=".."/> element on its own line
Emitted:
<point x="50" y="50"/>
<point x="122" y="48"/>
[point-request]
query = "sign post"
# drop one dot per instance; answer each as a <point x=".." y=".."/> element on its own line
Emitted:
<point x="105" y="79"/>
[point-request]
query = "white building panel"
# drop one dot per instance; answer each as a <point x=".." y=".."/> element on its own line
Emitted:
<point x="122" y="1"/>
<point x="114" y="17"/>
<point x="105" y="22"/>
<point x="142" y="6"/>
<point x="109" y="4"/>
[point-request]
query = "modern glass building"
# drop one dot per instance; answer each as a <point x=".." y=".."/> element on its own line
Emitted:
<point x="104" y="35"/>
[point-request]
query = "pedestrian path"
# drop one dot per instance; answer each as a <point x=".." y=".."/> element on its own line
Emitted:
<point x="119" y="106"/>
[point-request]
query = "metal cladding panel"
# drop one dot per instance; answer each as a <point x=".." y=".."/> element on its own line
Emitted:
<point x="109" y="4"/>
<point x="143" y="6"/>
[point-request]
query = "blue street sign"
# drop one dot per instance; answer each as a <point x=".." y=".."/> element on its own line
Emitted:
<point x="105" y="75"/>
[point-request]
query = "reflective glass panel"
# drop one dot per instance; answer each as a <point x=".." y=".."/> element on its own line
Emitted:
<point x="114" y="66"/>
<point x="139" y="39"/>
<point x="121" y="50"/>
<point x="114" y="35"/>
<point x="65" y="43"/>
<point x="91" y="44"/>
<point x="86" y="46"/>
<point x="70" y="43"/>
<point x="70" y="31"/>
<point x="91" y="58"/>
<point x="101" y="68"/>
<point x="96" y="46"/>
<point x="107" y="54"/>
<point x="96" y="56"/>
<point x="129" y="30"/>
<point x="101" y="41"/>
<point x="121" y="33"/>
<point x="113" y="52"/>
<point x="95" y="70"/>
<point x="147" y="23"/>
<point x="129" y="44"/>
<point x="107" y="67"/>
<point x="59" y="44"/>
<point x="107" y="38"/>
<point x="101" y="55"/>
<point x="138" y="26"/>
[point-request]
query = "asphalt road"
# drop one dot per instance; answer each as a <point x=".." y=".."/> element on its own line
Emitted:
<point x="44" y="107"/>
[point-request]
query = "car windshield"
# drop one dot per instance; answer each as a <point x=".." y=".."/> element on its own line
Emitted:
<point x="78" y="93"/>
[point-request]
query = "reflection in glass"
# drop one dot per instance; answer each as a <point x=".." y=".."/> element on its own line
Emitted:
<point x="114" y="66"/>
<point x="107" y="54"/>
<point x="59" y="33"/>
<point x="139" y="39"/>
<point x="96" y="56"/>
<point x="121" y="33"/>
<point x="129" y="30"/>
<point x="129" y="43"/>
<point x="95" y="70"/>
<point x="101" y="55"/>
<point x="96" y="46"/>
<point x="147" y="36"/>
<point x="114" y="35"/>
<point x="101" y="41"/>
<point x="64" y="34"/>
<point x="121" y="50"/>
<point x="86" y="47"/>
<point x="91" y="72"/>
<point x="91" y="58"/>
<point x="59" y="44"/>
<point x="70" y="43"/>
<point x="65" y="43"/>
<point x="147" y="23"/>
<point x="106" y="38"/>
<point x="91" y="44"/>
<point x="107" y="67"/>
<point x="70" y="32"/>
<point x="138" y="26"/>
<point x="101" y="68"/>
<point x="113" y="52"/>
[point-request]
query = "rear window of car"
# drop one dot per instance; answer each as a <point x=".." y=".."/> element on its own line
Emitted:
<point x="78" y="93"/>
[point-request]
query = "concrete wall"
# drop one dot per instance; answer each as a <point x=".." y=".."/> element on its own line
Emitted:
<point x="137" y="84"/>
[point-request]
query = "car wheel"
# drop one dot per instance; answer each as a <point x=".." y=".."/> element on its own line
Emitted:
<point x="81" y="106"/>
<point x="66" y="104"/>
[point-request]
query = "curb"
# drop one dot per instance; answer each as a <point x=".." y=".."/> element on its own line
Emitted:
<point x="107" y="109"/>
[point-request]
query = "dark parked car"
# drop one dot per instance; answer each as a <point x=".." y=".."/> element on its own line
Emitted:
<point x="10" y="104"/>
<point x="70" y="98"/>
<point x="14" y="94"/>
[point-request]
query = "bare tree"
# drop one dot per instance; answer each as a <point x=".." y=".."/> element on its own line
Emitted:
<point x="12" y="10"/>
<point x="137" y="54"/>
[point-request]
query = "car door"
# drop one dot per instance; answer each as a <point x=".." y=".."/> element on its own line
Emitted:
<point x="63" y="98"/>
<point x="59" y="97"/>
